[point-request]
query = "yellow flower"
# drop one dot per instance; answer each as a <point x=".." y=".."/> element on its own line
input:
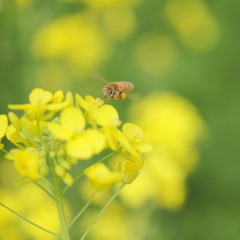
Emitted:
<point x="88" y="102"/>
<point x="13" y="136"/>
<point x="40" y="102"/>
<point x="3" y="125"/>
<point x="106" y="4"/>
<point x="132" y="170"/>
<point x="101" y="178"/>
<point x="173" y="130"/>
<point x="134" y="135"/>
<point x="26" y="162"/>
<point x="107" y="117"/>
<point x="24" y="131"/>
<point x="72" y="123"/>
<point x="83" y="147"/>
<point x="78" y="39"/>
<point x="175" y="127"/>
<point x="81" y="144"/>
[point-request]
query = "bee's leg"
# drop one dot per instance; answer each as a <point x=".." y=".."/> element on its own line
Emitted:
<point x="99" y="94"/>
<point x="122" y="96"/>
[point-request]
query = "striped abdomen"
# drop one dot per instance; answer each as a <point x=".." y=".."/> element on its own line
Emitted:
<point x="125" y="86"/>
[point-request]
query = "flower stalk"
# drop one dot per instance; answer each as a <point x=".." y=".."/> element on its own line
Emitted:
<point x="101" y="212"/>
<point x="60" y="209"/>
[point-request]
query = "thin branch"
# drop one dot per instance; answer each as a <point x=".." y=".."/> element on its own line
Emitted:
<point x="82" y="210"/>
<point x="108" y="203"/>
<point x="34" y="224"/>
<point x="46" y="191"/>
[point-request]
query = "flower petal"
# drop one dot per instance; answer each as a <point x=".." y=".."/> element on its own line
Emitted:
<point x="142" y="147"/>
<point x="81" y="102"/>
<point x="27" y="164"/>
<point x="96" y="138"/>
<point x="3" y="125"/>
<point x="111" y="115"/>
<point x="132" y="132"/>
<point x="90" y="100"/>
<point x="79" y="148"/>
<point x="40" y="97"/>
<point x="59" y="131"/>
<point x="101" y="178"/>
<point x="121" y="138"/>
<point x="20" y="106"/>
<point x="72" y="118"/>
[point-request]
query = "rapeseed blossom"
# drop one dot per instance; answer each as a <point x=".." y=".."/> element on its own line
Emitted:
<point x="65" y="138"/>
<point x="53" y="134"/>
<point x="3" y="127"/>
<point x="101" y="178"/>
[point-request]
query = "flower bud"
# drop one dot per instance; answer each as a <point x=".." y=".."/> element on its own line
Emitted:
<point x="14" y="120"/>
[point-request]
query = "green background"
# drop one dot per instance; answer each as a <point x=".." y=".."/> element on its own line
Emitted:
<point x="209" y="80"/>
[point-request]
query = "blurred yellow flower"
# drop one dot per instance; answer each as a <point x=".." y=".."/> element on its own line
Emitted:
<point x="101" y="178"/>
<point x="195" y="24"/>
<point x="103" y="4"/>
<point x="23" y="3"/>
<point x="132" y="170"/>
<point x="172" y="125"/>
<point x="36" y="206"/>
<point x="26" y="162"/>
<point x="78" y="39"/>
<point x="122" y="224"/>
<point x="161" y="181"/>
<point x="175" y="126"/>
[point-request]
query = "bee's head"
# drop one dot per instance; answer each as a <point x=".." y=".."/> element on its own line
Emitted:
<point x="108" y="91"/>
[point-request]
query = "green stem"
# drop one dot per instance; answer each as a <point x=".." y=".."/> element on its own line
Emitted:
<point x="108" y="203"/>
<point x="81" y="174"/>
<point x="46" y="191"/>
<point x="108" y="156"/>
<point x="82" y="210"/>
<point x="60" y="209"/>
<point x="3" y="150"/>
<point x="128" y="158"/>
<point x="34" y="224"/>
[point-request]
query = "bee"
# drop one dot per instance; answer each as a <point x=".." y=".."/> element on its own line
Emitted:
<point x="115" y="90"/>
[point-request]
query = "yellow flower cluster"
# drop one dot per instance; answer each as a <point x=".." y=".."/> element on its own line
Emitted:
<point x="55" y="133"/>
<point x="173" y="126"/>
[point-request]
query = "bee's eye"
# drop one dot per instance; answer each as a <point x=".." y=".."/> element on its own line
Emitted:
<point x="110" y="92"/>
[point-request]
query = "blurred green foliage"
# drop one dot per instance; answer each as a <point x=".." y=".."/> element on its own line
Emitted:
<point x="208" y="77"/>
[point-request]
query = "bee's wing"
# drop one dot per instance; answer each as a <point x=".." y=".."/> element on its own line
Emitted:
<point x="98" y="77"/>
<point x="133" y="96"/>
